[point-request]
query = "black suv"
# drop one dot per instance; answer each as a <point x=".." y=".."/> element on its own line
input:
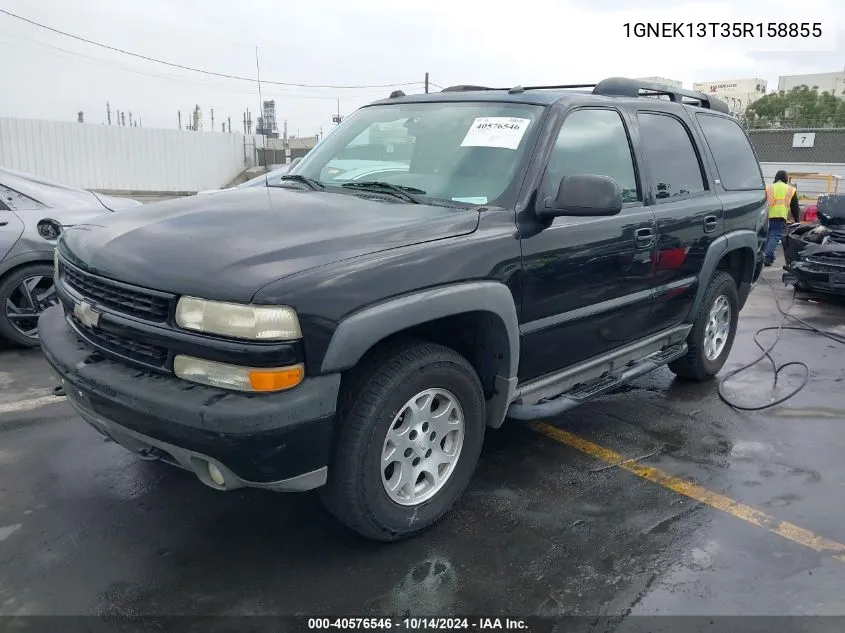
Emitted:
<point x="439" y="263"/>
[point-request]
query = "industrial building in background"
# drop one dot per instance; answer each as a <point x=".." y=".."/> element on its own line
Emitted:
<point x="737" y="93"/>
<point x="672" y="83"/>
<point x="267" y="121"/>
<point x="834" y="82"/>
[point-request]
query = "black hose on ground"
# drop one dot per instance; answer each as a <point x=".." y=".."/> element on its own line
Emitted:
<point x="767" y="351"/>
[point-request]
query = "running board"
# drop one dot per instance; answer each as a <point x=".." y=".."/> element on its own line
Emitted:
<point x="566" y="401"/>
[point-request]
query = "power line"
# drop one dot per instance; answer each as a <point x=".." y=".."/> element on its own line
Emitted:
<point x="197" y="70"/>
<point x="207" y="83"/>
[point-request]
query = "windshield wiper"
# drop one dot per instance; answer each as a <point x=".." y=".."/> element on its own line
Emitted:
<point x="385" y="187"/>
<point x="316" y="185"/>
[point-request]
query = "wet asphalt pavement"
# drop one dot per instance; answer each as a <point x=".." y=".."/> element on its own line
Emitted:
<point x="86" y="528"/>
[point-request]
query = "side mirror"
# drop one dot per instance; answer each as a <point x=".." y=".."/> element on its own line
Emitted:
<point x="295" y="162"/>
<point x="584" y="195"/>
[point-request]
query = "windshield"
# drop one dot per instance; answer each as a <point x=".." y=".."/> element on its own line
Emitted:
<point x="260" y="181"/>
<point x="462" y="152"/>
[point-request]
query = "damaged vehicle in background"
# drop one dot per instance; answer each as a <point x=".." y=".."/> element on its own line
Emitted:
<point x="815" y="253"/>
<point x="33" y="211"/>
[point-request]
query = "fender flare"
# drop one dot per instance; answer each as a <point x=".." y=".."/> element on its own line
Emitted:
<point x="358" y="332"/>
<point x="721" y="246"/>
<point x="27" y="257"/>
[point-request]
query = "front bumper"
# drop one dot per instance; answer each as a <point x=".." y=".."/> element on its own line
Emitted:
<point x="814" y="266"/>
<point x="818" y="277"/>
<point x="276" y="441"/>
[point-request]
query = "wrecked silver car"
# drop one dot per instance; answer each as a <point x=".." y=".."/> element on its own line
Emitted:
<point x="815" y="253"/>
<point x="33" y="211"/>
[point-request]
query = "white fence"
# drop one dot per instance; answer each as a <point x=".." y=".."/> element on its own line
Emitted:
<point x="110" y="157"/>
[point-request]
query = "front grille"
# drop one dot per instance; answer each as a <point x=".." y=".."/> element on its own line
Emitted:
<point x="831" y="258"/>
<point x="148" y="355"/>
<point x="116" y="296"/>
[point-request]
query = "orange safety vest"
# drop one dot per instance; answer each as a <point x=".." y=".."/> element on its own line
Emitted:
<point x="779" y="195"/>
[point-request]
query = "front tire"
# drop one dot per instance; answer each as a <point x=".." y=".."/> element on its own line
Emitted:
<point x="713" y="332"/>
<point x="411" y="428"/>
<point x="24" y="295"/>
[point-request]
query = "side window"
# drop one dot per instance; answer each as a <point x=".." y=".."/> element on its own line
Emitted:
<point x="735" y="160"/>
<point x="595" y="142"/>
<point x="673" y="164"/>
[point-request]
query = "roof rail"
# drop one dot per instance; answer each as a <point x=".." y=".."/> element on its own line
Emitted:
<point x="559" y="87"/>
<point x="464" y="88"/>
<point x="623" y="87"/>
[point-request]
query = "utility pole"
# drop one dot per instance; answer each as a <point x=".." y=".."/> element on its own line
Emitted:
<point x="123" y="119"/>
<point x="108" y="112"/>
<point x="426" y="83"/>
<point x="230" y="124"/>
<point x="130" y="118"/>
<point x="212" y="119"/>
<point x="180" y="119"/>
<point x="336" y="119"/>
<point x="258" y="79"/>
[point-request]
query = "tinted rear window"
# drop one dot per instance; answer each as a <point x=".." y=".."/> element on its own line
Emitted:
<point x="673" y="165"/>
<point x="735" y="160"/>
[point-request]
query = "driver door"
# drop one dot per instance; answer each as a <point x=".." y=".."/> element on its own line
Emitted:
<point x="587" y="281"/>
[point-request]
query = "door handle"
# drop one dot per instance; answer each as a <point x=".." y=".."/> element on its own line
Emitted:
<point x="644" y="238"/>
<point x="711" y="223"/>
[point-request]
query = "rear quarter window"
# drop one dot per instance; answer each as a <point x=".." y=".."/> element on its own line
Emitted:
<point x="736" y="162"/>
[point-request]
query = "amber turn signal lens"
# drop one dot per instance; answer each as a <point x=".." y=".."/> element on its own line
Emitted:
<point x="275" y="379"/>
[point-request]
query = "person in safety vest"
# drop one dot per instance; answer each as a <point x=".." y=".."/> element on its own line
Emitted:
<point x="783" y="203"/>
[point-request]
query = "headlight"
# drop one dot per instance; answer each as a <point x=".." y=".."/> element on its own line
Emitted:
<point x="257" y="323"/>
<point x="251" y="379"/>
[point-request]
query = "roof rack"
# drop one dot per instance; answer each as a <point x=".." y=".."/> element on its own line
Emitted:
<point x="622" y="87"/>
<point x="466" y="88"/>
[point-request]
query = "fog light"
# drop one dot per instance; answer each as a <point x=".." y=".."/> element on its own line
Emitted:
<point x="226" y="376"/>
<point x="215" y="474"/>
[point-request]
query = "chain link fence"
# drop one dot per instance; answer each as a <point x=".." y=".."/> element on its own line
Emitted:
<point x="793" y="124"/>
<point x="799" y="145"/>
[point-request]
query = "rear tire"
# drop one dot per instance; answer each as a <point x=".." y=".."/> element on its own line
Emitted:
<point x="388" y="435"/>
<point x="708" y="351"/>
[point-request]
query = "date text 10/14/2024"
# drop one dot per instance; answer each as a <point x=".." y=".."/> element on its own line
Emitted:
<point x="419" y="624"/>
<point x="723" y="29"/>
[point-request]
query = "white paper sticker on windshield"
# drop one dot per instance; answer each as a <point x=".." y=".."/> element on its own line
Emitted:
<point x="473" y="200"/>
<point x="496" y="131"/>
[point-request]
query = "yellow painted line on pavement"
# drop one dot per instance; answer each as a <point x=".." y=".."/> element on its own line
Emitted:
<point x="695" y="492"/>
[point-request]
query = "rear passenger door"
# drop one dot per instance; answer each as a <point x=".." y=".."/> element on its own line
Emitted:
<point x="688" y="214"/>
<point x="586" y="280"/>
<point x="739" y="181"/>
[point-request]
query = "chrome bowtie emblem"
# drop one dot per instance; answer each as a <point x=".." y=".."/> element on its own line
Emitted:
<point x="86" y="314"/>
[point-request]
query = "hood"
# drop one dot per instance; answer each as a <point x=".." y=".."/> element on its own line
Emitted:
<point x="229" y="245"/>
<point x="59" y="197"/>
<point x="831" y="209"/>
<point x="113" y="203"/>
